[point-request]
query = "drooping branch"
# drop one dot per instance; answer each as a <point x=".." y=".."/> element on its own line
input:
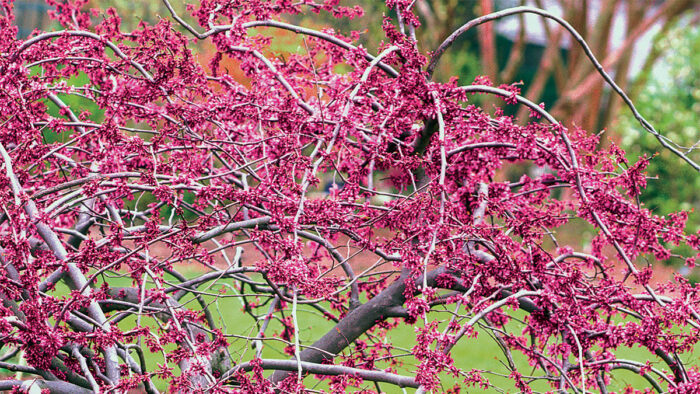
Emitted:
<point x="77" y="279"/>
<point x="323" y="369"/>
<point x="665" y="142"/>
<point x="55" y="386"/>
<point x="280" y="25"/>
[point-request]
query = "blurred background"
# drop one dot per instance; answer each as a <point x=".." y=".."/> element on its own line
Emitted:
<point x="650" y="47"/>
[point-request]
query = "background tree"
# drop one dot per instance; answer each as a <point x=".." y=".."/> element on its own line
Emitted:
<point x="581" y="96"/>
<point x="670" y="97"/>
<point x="164" y="224"/>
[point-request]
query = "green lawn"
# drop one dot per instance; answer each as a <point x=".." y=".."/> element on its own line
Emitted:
<point x="481" y="353"/>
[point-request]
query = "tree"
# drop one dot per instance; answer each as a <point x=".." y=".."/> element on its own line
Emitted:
<point x="565" y="79"/>
<point x="162" y="224"/>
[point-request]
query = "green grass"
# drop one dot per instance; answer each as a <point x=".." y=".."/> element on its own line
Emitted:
<point x="481" y="353"/>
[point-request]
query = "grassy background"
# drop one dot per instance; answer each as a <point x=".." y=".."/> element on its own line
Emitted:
<point x="481" y="353"/>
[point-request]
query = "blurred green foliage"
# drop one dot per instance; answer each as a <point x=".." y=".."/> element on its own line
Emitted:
<point x="439" y="18"/>
<point x="670" y="100"/>
<point x="135" y="11"/>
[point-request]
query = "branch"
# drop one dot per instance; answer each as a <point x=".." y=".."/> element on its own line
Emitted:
<point x="516" y="10"/>
<point x="362" y="319"/>
<point x="77" y="279"/>
<point x="280" y="25"/>
<point x="216" y="231"/>
<point x="86" y="34"/>
<point x="55" y="386"/>
<point x="324" y="369"/>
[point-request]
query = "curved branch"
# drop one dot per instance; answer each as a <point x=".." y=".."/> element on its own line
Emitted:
<point x="55" y="386"/>
<point x="518" y="10"/>
<point x="216" y="231"/>
<point x="480" y="145"/>
<point x="621" y="363"/>
<point x="645" y="375"/>
<point x="506" y="94"/>
<point x="279" y="25"/>
<point x="324" y="369"/>
<point x="314" y="33"/>
<point x="77" y="279"/>
<point x="86" y="34"/>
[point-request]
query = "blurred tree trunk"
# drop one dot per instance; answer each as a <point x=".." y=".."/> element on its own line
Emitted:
<point x="581" y="99"/>
<point x="581" y="95"/>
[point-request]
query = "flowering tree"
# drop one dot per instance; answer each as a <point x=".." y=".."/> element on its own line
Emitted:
<point x="141" y="190"/>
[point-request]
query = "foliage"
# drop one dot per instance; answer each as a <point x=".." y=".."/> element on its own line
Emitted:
<point x="198" y="187"/>
<point x="672" y="100"/>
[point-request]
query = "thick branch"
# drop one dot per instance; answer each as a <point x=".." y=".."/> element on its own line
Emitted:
<point x="55" y="386"/>
<point x="324" y="369"/>
<point x="359" y="321"/>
